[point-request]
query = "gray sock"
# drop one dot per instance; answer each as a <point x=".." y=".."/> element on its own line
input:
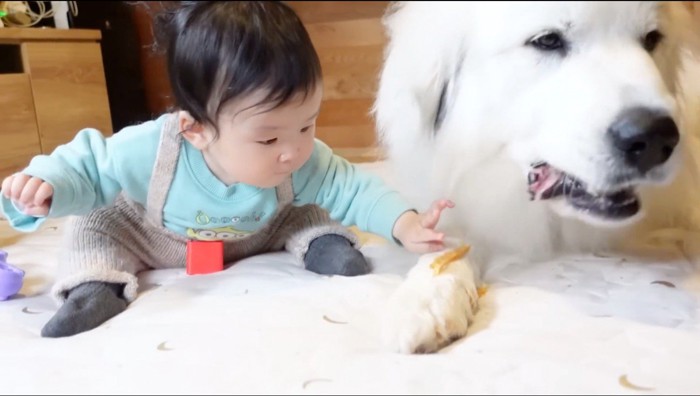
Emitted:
<point x="88" y="305"/>
<point x="334" y="255"/>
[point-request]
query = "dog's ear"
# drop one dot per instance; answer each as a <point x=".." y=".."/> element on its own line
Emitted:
<point x="418" y="81"/>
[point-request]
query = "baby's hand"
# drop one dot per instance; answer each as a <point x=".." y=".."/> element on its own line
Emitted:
<point x="31" y="194"/>
<point x="416" y="232"/>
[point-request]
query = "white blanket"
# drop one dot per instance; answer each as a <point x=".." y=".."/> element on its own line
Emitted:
<point x="584" y="325"/>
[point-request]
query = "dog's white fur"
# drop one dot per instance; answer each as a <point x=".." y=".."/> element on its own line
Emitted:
<point x="508" y="105"/>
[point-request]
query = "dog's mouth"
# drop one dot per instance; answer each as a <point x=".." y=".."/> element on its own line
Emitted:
<point x="546" y="182"/>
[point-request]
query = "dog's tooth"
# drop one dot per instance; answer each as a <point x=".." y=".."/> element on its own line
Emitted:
<point x="574" y="183"/>
<point x="533" y="178"/>
<point x="577" y="192"/>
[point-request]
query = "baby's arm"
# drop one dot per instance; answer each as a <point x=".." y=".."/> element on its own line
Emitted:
<point x="355" y="197"/>
<point x="77" y="177"/>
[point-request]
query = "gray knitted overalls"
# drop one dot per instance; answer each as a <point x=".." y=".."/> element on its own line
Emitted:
<point x="114" y="243"/>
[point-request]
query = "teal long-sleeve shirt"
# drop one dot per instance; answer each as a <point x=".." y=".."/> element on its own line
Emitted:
<point x="91" y="170"/>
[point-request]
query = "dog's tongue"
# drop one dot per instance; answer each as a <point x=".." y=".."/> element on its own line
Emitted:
<point x="546" y="182"/>
<point x="542" y="181"/>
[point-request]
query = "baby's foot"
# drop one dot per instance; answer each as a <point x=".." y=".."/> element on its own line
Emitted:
<point x="333" y="254"/>
<point x="88" y="305"/>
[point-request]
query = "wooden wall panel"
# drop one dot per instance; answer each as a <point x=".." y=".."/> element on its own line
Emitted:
<point x="350" y="72"/>
<point x="695" y="9"/>
<point x="333" y="11"/>
<point x="352" y="33"/>
<point x="153" y="68"/>
<point x="349" y="38"/>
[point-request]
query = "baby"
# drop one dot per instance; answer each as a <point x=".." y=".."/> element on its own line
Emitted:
<point x="236" y="161"/>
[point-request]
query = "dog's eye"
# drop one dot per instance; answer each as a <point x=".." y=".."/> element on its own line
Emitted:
<point x="652" y="39"/>
<point x="548" y="41"/>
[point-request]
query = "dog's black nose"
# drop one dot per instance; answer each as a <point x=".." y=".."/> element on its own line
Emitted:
<point x="644" y="137"/>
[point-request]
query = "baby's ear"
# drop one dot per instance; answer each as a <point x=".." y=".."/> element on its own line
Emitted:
<point x="192" y="130"/>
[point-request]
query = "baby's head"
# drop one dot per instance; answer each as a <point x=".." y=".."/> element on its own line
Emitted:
<point x="247" y="81"/>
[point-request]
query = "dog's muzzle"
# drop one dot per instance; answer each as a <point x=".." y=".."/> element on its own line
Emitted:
<point x="546" y="182"/>
<point x="641" y="140"/>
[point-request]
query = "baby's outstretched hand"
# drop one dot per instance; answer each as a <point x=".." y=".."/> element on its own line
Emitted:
<point x="416" y="231"/>
<point x="31" y="194"/>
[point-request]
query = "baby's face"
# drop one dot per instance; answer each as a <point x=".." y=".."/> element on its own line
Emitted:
<point x="262" y="146"/>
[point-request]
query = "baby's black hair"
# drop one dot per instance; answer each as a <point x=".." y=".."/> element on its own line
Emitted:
<point x="218" y="51"/>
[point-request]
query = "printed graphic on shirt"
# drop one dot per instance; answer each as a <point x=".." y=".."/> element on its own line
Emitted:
<point x="216" y="234"/>
<point x="215" y="228"/>
<point x="203" y="219"/>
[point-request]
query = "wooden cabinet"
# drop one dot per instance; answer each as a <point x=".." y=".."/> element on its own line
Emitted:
<point x="52" y="84"/>
<point x="19" y="132"/>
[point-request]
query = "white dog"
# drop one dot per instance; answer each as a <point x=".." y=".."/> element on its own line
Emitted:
<point x="555" y="127"/>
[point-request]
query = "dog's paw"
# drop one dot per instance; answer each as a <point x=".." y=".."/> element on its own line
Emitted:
<point x="428" y="312"/>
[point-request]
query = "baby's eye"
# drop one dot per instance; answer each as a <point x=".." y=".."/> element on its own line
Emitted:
<point x="306" y="128"/>
<point x="268" y="141"/>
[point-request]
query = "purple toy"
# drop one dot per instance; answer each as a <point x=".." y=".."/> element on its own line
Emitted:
<point x="10" y="278"/>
